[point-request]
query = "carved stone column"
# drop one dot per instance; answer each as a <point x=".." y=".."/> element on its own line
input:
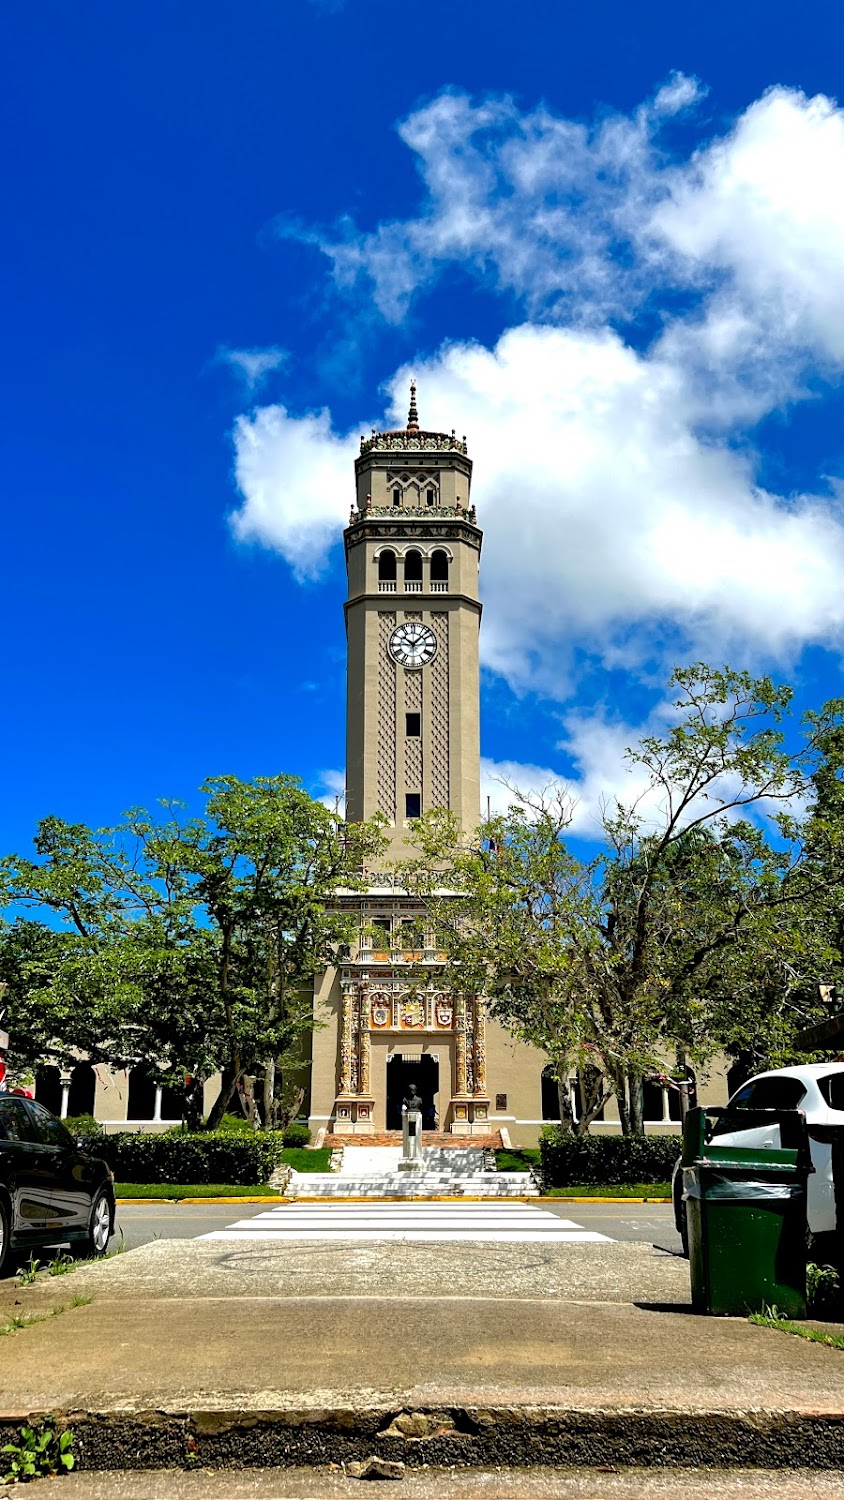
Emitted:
<point x="479" y="1049"/>
<point x="460" y="1098"/>
<point x="460" y="1045"/>
<point x="363" y="1044"/>
<point x="344" y="1105"/>
<point x="480" y="1098"/>
<point x="347" y="1054"/>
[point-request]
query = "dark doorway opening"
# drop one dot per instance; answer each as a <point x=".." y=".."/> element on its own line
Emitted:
<point x="83" y="1089"/>
<point x="48" y="1088"/>
<point x="424" y="1071"/>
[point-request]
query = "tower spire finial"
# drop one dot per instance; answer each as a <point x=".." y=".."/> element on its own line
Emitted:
<point x="413" y="415"/>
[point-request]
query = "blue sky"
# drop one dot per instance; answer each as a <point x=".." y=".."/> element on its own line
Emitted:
<point x="607" y="239"/>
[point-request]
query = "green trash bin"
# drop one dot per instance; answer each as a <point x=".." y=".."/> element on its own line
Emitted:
<point x="746" y="1217"/>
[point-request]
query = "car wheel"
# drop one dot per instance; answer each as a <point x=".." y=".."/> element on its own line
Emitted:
<point x="5" y="1238"/>
<point x="99" y="1225"/>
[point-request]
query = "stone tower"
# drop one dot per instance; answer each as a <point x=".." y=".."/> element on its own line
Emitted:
<point x="388" y="1014"/>
<point x="412" y="620"/>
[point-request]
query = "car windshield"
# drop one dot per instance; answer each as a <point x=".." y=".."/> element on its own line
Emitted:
<point x="832" y="1088"/>
<point x="769" y="1093"/>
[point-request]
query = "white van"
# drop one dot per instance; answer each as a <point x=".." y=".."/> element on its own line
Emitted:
<point x="815" y="1088"/>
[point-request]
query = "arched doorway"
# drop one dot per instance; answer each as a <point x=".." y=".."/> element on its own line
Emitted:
<point x="48" y="1087"/>
<point x="83" y="1089"/>
<point x="402" y="1071"/>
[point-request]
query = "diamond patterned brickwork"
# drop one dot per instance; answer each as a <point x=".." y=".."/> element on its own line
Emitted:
<point x="413" y="747"/>
<point x="439" y="713"/>
<point x="386" y="718"/>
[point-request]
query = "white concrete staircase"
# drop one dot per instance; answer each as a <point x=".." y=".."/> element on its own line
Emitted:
<point x="373" y="1172"/>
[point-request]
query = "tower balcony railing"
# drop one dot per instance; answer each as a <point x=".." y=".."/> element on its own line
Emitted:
<point x="386" y="586"/>
<point x="439" y="588"/>
<point x="412" y="588"/>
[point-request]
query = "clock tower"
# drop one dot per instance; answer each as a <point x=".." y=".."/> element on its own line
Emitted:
<point x="412" y="621"/>
<point x="390" y="1014"/>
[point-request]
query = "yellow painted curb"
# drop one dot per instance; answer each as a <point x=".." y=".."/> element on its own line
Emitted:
<point x="561" y="1199"/>
<point x="125" y="1202"/>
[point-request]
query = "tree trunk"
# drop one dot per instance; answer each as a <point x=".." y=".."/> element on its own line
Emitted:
<point x="246" y="1093"/>
<point x="223" y="1100"/>
<point x="636" y="1096"/>
<point x="193" y="1103"/>
<point x="269" y="1094"/>
<point x="567" y="1121"/>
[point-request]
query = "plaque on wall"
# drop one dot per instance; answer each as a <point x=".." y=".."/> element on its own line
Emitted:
<point x="501" y="1101"/>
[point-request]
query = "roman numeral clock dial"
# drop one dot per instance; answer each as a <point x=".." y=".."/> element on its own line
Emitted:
<point x="412" y="644"/>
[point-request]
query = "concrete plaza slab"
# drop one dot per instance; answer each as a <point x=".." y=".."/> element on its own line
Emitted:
<point x="300" y="1352"/>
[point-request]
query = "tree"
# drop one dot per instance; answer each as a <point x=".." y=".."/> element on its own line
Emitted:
<point x="191" y="943"/>
<point x="611" y="962"/>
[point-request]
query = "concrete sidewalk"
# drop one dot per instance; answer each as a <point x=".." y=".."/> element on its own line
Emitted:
<point x="268" y="1354"/>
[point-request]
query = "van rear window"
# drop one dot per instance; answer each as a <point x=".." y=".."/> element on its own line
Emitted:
<point x="832" y="1088"/>
<point x="770" y="1093"/>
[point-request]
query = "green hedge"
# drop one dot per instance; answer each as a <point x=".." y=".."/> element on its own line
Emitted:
<point x="296" y="1134"/>
<point x="213" y="1156"/>
<point x="598" y="1160"/>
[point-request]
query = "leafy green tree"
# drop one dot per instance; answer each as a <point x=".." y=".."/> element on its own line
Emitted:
<point x="188" y="943"/>
<point x="609" y="963"/>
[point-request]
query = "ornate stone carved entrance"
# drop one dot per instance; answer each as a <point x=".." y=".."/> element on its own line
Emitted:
<point x="392" y="1008"/>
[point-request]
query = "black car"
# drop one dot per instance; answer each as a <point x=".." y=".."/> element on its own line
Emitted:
<point x="51" y="1193"/>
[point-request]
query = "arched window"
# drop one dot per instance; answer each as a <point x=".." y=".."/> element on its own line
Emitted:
<point x="431" y="495"/>
<point x="83" y="1088"/>
<point x="413" y="566"/>
<point x="48" y="1087"/>
<point x="550" y="1095"/>
<point x="141" y="1094"/>
<point x="439" y="566"/>
<point x="387" y="566"/>
<point x="397" y="496"/>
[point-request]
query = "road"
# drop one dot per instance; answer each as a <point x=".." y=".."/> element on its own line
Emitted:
<point x="648" y="1223"/>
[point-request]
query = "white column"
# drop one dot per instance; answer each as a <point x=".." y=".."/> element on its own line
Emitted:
<point x="65" y="1098"/>
<point x="156" y="1114"/>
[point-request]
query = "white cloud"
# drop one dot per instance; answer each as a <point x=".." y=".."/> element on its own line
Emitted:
<point x="295" y="476"/>
<point x="763" y="207"/>
<point x="252" y="366"/>
<point x="582" y="223"/>
<point x="609" y="524"/>
<point x="623" y="517"/>
<point x="331" y="789"/>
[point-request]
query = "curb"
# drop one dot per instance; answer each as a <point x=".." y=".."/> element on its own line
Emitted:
<point x="440" y="1198"/>
<point x="449" y="1437"/>
<point x="126" y="1202"/>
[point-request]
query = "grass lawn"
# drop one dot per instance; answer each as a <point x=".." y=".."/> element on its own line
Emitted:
<point x="306" y="1158"/>
<point x="516" y="1161"/>
<point x="176" y="1190"/>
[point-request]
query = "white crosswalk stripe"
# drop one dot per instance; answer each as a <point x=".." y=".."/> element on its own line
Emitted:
<point x="489" y="1222"/>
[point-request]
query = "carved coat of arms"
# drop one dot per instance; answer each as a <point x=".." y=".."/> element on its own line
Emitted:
<point x="380" y="1010"/>
<point x="413" y="1013"/>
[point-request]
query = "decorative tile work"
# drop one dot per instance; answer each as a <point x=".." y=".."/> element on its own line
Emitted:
<point x="439" y="713"/>
<point x="386" y="718"/>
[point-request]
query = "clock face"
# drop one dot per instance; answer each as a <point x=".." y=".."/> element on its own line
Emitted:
<point x="412" y="644"/>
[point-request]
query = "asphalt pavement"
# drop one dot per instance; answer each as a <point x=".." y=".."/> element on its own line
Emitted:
<point x="141" y="1223"/>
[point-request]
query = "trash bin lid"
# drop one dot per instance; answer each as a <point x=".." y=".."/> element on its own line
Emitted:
<point x="742" y="1159"/>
